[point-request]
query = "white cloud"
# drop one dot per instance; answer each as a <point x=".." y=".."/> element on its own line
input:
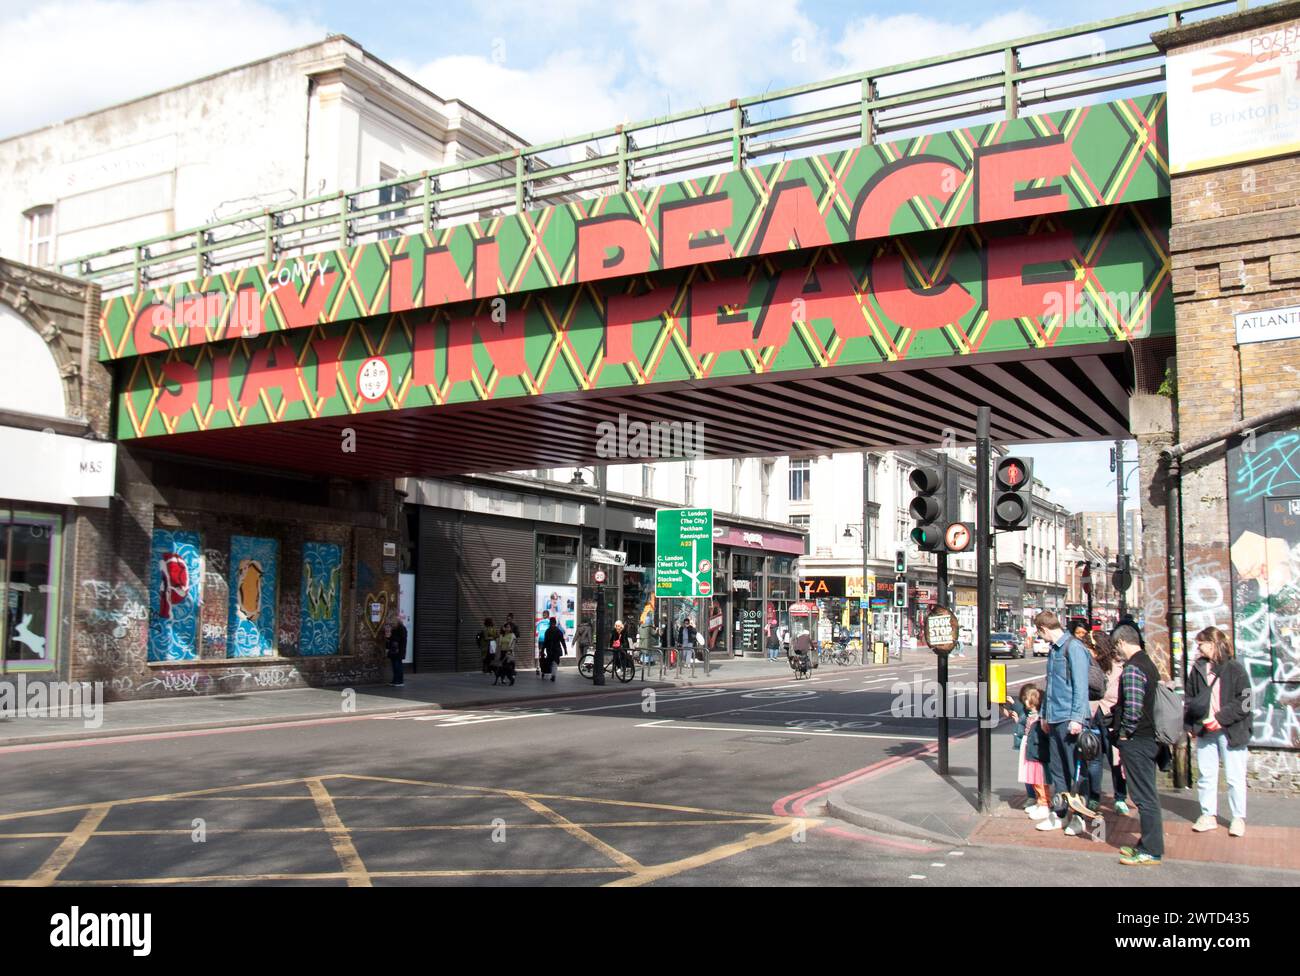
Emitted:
<point x="68" y="58"/>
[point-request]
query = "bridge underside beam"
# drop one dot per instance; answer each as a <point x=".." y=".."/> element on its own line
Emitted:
<point x="1037" y="396"/>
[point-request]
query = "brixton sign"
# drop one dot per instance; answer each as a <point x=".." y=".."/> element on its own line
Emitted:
<point x="684" y="552"/>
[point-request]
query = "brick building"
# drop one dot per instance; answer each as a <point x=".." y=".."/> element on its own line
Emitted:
<point x="1235" y="244"/>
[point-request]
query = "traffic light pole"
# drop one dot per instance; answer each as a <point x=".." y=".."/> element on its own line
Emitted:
<point x="941" y="578"/>
<point x="1121" y="595"/>
<point x="984" y="535"/>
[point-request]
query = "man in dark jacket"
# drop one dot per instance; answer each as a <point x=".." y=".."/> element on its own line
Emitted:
<point x="1138" y="746"/>
<point x="553" y="646"/>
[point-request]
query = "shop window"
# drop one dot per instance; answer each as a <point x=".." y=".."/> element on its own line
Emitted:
<point x="29" y="586"/>
<point x="557" y="559"/>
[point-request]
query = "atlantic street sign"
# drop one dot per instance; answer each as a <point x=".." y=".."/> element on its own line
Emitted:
<point x="684" y="552"/>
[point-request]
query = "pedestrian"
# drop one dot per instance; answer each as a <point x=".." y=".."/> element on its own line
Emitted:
<point x="1218" y="713"/>
<point x="553" y="646"/>
<point x="399" y="631"/>
<point x="543" y="626"/>
<point x="1065" y="710"/>
<point x="511" y="626"/>
<point x="1139" y="749"/>
<point x="395" y="651"/>
<point x="773" y="645"/>
<point x="686" y="643"/>
<point x="505" y="669"/>
<point x="487" y="638"/>
<point x="1103" y="694"/>
<point x="619" y="642"/>
<point x="1028" y="741"/>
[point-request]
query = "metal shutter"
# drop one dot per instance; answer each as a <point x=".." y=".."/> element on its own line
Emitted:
<point x="485" y="539"/>
<point x="436" y="609"/>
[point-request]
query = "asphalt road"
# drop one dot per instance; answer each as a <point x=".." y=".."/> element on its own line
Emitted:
<point x="688" y="786"/>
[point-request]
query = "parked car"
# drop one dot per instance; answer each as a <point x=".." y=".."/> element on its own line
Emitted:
<point x="1041" y="647"/>
<point x="1005" y="643"/>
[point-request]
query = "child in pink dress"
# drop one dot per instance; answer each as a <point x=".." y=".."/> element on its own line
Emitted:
<point x="1031" y="768"/>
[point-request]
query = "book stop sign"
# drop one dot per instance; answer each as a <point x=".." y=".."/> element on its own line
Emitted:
<point x="941" y="630"/>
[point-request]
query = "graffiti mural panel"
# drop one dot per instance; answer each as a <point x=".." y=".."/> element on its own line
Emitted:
<point x="1264" y="520"/>
<point x="174" y="587"/>
<point x="254" y="569"/>
<point x="322" y="564"/>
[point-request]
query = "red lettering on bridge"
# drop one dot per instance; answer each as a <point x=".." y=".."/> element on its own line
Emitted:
<point x="695" y="231"/>
<point x="298" y="312"/>
<point x="612" y="246"/>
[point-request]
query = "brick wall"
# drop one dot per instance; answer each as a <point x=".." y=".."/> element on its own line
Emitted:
<point x="113" y="562"/>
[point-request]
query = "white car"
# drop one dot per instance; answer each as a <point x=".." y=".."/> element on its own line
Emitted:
<point x="1041" y="647"/>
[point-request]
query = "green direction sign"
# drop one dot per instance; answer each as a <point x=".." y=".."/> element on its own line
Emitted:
<point x="684" y="552"/>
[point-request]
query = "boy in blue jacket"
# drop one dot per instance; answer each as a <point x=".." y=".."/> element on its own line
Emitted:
<point x="1065" y="709"/>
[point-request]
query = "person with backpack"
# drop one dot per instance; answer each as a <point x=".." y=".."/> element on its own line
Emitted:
<point x="1065" y="711"/>
<point x="1139" y="726"/>
<point x="505" y="666"/>
<point x="1219" y="715"/>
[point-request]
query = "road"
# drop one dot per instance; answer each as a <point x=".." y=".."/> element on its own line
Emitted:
<point x="686" y="786"/>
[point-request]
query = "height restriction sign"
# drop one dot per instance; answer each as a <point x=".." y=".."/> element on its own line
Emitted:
<point x="684" y="552"/>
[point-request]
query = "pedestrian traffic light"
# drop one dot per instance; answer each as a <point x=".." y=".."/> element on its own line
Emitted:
<point x="936" y="505"/>
<point x="900" y="561"/>
<point x="1012" y="493"/>
<point x="900" y="594"/>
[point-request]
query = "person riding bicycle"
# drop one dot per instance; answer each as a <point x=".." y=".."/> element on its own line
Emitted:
<point x="800" y="652"/>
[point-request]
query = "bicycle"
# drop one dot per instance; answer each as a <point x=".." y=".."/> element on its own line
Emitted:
<point x="619" y="665"/>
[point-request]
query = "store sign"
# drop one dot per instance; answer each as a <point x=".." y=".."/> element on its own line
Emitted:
<point x="966" y="596"/>
<point x="821" y="587"/>
<point x="1268" y="325"/>
<point x="1235" y="101"/>
<point x="56" y="468"/>
<point x="740" y="584"/>
<point x="643" y="524"/>
<point x="684" y="552"/>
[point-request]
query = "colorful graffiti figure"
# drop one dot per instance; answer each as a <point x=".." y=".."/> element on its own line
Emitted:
<point x="175" y="583"/>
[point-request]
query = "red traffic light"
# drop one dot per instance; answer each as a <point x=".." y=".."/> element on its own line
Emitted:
<point x="1011" y="473"/>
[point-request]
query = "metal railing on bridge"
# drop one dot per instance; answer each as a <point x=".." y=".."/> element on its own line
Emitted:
<point x="1056" y="69"/>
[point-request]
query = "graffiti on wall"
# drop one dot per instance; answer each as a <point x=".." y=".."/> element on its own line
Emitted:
<point x="174" y="588"/>
<point x="114" y="627"/>
<point x="254" y="570"/>
<point x="1264" y="522"/>
<point x="322" y="565"/>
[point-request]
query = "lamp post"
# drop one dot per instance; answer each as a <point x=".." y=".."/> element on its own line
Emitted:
<point x="598" y="652"/>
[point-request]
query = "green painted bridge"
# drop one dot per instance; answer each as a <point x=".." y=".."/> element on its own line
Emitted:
<point x="867" y="271"/>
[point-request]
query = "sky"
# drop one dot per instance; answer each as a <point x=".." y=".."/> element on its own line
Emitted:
<point x="1079" y="474"/>
<point x="543" y="68"/>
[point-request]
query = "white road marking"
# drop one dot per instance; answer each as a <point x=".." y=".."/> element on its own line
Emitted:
<point x="916" y="877"/>
<point x="668" y="723"/>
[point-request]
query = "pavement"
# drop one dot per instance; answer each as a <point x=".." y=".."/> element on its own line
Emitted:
<point x="422" y="692"/>
<point x="906" y="796"/>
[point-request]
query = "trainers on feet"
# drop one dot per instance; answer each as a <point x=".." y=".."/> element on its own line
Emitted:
<point x="1050" y="822"/>
<point x="1140" y="859"/>
<point x="1127" y="851"/>
<point x="1037" y="811"/>
<point x="1075" y="827"/>
<point x="1205" y="822"/>
<point x="1238" y="827"/>
<point x="1121" y="808"/>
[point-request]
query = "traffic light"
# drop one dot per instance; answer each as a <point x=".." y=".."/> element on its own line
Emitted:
<point x="1012" y="493"/>
<point x="900" y="594"/>
<point x="900" y="561"/>
<point x="936" y="505"/>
